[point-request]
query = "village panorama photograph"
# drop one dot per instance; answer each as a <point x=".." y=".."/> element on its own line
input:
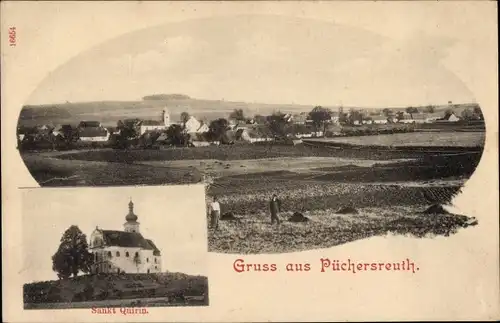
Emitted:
<point x="114" y="248"/>
<point x="306" y="133"/>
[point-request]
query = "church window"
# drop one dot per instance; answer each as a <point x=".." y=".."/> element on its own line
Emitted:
<point x="127" y="254"/>
<point x="118" y="254"/>
<point x="156" y="260"/>
<point x="148" y="271"/>
<point x="147" y="259"/>
<point x="137" y="254"/>
<point x="109" y="266"/>
<point x="156" y="267"/>
<point x="109" y="254"/>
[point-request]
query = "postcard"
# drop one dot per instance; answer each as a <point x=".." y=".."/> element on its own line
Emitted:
<point x="250" y="161"/>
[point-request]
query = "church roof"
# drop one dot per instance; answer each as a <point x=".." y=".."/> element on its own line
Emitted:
<point x="156" y="251"/>
<point x="128" y="240"/>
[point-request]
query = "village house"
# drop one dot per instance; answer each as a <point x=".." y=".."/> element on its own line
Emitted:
<point x="379" y="119"/>
<point x="124" y="251"/>
<point x="192" y="125"/>
<point x="251" y="136"/>
<point x="92" y="131"/>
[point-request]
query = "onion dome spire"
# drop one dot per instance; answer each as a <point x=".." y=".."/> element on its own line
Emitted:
<point x="131" y="217"/>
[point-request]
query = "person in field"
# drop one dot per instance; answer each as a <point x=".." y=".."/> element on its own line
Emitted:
<point x="214" y="213"/>
<point x="275" y="208"/>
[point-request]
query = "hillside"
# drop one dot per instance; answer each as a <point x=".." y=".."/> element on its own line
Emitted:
<point x="116" y="286"/>
<point x="109" y="112"/>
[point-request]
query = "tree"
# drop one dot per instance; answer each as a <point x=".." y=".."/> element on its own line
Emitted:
<point x="411" y="111"/>
<point x="478" y="112"/>
<point x="387" y="112"/>
<point x="184" y="117"/>
<point x="320" y="117"/>
<point x="260" y="119"/>
<point x="176" y="136"/>
<point x="148" y="139"/>
<point x="73" y="255"/>
<point x="400" y="115"/>
<point x="342" y="116"/>
<point x="237" y="115"/>
<point x="217" y="128"/>
<point x="128" y="130"/>
<point x="277" y="124"/>
<point x="355" y="115"/>
<point x="468" y="114"/>
<point x="429" y="109"/>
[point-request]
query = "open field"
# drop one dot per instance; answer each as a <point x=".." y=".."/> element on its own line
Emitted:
<point x="389" y="185"/>
<point x="255" y="234"/>
<point x="415" y="139"/>
<point x="118" y="290"/>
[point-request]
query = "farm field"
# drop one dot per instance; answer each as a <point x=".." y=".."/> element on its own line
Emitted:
<point x="388" y="187"/>
<point x="427" y="139"/>
<point x="255" y="234"/>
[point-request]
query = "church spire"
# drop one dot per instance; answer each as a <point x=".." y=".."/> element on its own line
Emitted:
<point x="131" y="216"/>
<point x="131" y="225"/>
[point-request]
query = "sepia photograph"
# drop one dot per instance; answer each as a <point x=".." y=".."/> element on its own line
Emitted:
<point x="330" y="136"/>
<point x="316" y="157"/>
<point x="105" y="248"/>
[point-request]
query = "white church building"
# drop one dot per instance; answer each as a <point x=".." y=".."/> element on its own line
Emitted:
<point x="154" y="125"/>
<point x="124" y="251"/>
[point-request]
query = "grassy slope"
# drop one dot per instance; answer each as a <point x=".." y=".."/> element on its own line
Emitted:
<point x="115" y="286"/>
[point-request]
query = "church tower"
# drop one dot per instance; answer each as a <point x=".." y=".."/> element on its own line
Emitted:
<point x="131" y="225"/>
<point x="166" y="117"/>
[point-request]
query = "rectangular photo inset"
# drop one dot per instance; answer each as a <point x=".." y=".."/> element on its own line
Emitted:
<point x="111" y="247"/>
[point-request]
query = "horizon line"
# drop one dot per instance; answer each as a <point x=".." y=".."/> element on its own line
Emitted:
<point x="253" y="103"/>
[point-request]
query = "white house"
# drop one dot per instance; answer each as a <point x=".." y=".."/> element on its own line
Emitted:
<point x="93" y="134"/>
<point x="379" y="119"/>
<point x="124" y="251"/>
<point x="192" y="125"/>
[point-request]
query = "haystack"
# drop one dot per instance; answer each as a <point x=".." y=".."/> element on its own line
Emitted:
<point x="228" y="216"/>
<point x="298" y="217"/>
<point x="347" y="210"/>
<point x="436" y="209"/>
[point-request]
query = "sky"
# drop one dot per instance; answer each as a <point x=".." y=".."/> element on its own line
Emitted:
<point x="265" y="59"/>
<point x="173" y="217"/>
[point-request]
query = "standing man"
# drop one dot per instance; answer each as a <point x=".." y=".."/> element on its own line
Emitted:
<point x="275" y="207"/>
<point x="215" y="213"/>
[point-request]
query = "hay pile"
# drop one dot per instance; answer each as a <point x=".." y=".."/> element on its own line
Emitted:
<point x="441" y="222"/>
<point x="228" y="216"/>
<point x="298" y="217"/>
<point x="435" y="209"/>
<point x="346" y="210"/>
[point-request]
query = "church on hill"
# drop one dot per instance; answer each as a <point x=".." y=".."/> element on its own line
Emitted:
<point x="124" y="251"/>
